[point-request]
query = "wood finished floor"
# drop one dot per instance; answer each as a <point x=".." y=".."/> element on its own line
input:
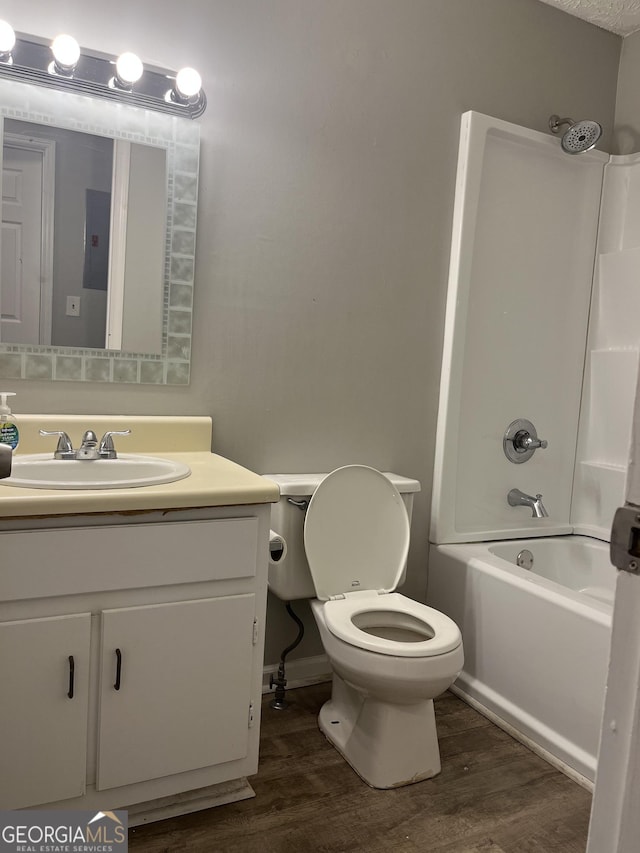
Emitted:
<point x="492" y="796"/>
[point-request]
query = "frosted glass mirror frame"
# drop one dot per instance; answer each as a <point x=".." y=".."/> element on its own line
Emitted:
<point x="181" y="139"/>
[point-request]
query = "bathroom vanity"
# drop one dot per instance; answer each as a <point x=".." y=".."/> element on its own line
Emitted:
<point x="132" y="630"/>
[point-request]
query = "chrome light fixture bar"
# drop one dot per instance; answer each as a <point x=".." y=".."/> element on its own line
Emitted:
<point x="87" y="72"/>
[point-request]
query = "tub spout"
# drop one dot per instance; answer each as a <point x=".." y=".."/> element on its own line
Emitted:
<point x="518" y="498"/>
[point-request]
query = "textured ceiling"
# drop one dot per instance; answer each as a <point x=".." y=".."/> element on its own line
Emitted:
<point x="618" y="16"/>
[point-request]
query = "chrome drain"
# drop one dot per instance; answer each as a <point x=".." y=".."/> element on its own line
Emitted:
<point x="525" y="559"/>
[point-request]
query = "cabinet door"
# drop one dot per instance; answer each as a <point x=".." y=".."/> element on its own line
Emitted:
<point x="44" y="678"/>
<point x="175" y="688"/>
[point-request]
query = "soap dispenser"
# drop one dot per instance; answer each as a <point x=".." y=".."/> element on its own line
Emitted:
<point x="9" y="432"/>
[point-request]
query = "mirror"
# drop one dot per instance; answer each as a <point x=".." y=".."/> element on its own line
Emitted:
<point x="98" y="239"/>
<point x="82" y="252"/>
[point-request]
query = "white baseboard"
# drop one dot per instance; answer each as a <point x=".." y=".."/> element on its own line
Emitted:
<point x="516" y="734"/>
<point x="300" y="672"/>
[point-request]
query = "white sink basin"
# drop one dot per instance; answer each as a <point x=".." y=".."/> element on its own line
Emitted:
<point x="41" y="471"/>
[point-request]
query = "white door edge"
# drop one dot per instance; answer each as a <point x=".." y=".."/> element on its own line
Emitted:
<point x="615" y="815"/>
<point x="117" y="243"/>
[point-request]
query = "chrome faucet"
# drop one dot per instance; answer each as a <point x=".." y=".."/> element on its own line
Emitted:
<point x="90" y="448"/>
<point x="518" y="498"/>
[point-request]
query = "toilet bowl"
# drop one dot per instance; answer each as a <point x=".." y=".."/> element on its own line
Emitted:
<point x="381" y="716"/>
<point x="390" y="655"/>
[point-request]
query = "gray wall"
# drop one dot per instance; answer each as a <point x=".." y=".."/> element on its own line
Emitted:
<point x="329" y="151"/>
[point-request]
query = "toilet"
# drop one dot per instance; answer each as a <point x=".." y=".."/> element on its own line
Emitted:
<point x="348" y="536"/>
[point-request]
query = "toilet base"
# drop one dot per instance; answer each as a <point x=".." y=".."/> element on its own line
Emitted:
<point x="387" y="745"/>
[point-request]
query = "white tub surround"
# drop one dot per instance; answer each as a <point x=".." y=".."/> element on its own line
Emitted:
<point x="611" y="365"/>
<point x="132" y="630"/>
<point x="540" y="326"/>
<point x="545" y="248"/>
<point x="524" y="232"/>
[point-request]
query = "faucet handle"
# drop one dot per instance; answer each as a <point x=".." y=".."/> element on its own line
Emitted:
<point x="521" y="441"/>
<point x="64" y="449"/>
<point x="524" y="441"/>
<point x="106" y="449"/>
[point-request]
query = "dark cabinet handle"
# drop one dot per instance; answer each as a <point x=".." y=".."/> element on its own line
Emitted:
<point x="72" y="676"/>
<point x="116" y="686"/>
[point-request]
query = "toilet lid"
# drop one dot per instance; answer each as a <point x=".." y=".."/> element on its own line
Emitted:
<point x="356" y="533"/>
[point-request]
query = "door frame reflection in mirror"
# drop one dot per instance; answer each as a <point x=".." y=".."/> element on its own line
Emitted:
<point x="180" y="138"/>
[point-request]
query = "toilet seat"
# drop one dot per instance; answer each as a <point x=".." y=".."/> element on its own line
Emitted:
<point x="356" y="538"/>
<point x="399" y="612"/>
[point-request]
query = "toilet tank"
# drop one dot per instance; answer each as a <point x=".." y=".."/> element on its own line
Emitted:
<point x="290" y="578"/>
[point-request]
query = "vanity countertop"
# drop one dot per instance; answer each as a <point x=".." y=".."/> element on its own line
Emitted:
<point x="214" y="480"/>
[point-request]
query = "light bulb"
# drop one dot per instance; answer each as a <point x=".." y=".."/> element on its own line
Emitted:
<point x="129" y="68"/>
<point x="7" y="38"/>
<point x="188" y="82"/>
<point x="66" y="52"/>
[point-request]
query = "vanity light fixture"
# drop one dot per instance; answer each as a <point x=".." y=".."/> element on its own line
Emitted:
<point x="28" y="59"/>
<point x="188" y="85"/>
<point x="187" y="90"/>
<point x="7" y="41"/>
<point x="129" y="70"/>
<point x="66" y="53"/>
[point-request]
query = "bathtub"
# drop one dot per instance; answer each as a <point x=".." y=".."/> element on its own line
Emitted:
<point x="536" y="641"/>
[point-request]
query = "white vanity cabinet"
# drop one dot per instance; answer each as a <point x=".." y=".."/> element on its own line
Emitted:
<point x="158" y="660"/>
<point x="131" y="653"/>
<point x="44" y="665"/>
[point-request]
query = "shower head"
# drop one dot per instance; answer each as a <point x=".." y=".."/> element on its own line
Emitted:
<point x="581" y="136"/>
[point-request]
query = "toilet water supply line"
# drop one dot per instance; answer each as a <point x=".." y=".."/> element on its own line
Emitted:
<point x="279" y="703"/>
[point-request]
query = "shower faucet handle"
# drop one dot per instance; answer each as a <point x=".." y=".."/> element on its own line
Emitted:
<point x="521" y="441"/>
<point x="525" y="441"/>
